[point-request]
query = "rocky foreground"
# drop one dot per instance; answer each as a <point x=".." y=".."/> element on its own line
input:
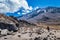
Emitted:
<point x="35" y="33"/>
<point x="11" y="29"/>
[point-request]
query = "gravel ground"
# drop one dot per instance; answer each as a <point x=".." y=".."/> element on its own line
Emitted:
<point x="36" y="34"/>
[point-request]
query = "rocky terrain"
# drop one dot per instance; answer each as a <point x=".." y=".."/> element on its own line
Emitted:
<point x="35" y="33"/>
<point x="7" y="22"/>
<point x="12" y="29"/>
<point x="40" y="24"/>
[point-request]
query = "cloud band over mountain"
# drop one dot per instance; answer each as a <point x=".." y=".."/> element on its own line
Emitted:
<point x="13" y="5"/>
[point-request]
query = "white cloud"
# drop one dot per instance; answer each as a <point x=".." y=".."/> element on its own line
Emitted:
<point x="26" y="11"/>
<point x="36" y="8"/>
<point x="3" y="8"/>
<point x="23" y="13"/>
<point x="30" y="8"/>
<point x="18" y="13"/>
<point x="13" y="5"/>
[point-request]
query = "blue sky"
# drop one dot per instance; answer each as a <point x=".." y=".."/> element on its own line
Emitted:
<point x="21" y="7"/>
<point x="44" y="3"/>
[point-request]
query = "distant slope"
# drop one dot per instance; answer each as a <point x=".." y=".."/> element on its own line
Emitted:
<point x="51" y="13"/>
<point x="49" y="16"/>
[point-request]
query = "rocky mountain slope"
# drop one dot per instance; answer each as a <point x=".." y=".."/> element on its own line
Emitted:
<point x="7" y="22"/>
<point x="11" y="23"/>
<point x="43" y="16"/>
